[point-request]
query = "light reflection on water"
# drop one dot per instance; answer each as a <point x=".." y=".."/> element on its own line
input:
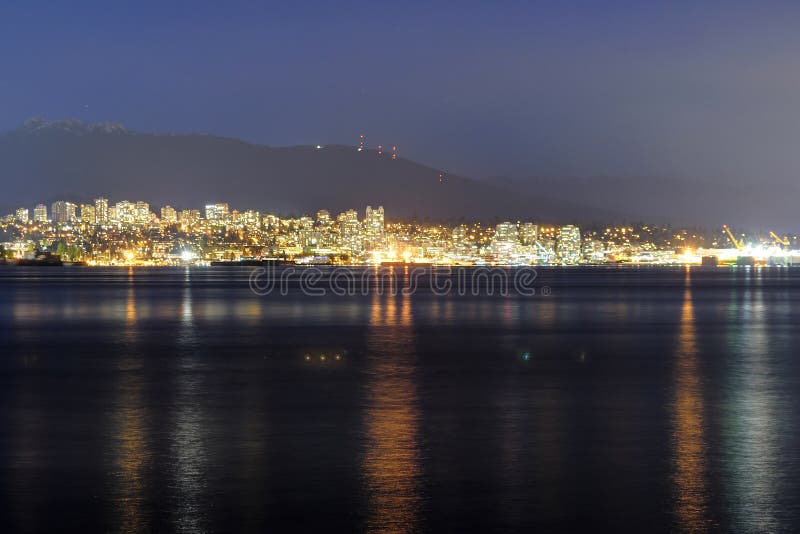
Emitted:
<point x="752" y="425"/>
<point x="133" y="455"/>
<point x="391" y="462"/>
<point x="189" y="453"/>
<point x="131" y="450"/>
<point x="188" y="438"/>
<point x="688" y="435"/>
<point x="167" y="380"/>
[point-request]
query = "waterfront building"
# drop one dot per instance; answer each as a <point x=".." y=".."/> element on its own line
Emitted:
<point x="568" y="245"/>
<point x="505" y="240"/>
<point x="528" y="233"/>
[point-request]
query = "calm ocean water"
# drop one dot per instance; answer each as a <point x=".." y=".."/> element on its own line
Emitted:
<point x="629" y="399"/>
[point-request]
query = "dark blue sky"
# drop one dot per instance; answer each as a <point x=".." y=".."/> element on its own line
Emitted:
<point x="482" y="88"/>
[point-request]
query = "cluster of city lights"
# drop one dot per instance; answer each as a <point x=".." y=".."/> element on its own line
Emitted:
<point x="131" y="233"/>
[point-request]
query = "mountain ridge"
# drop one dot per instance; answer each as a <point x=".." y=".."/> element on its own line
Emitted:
<point x="45" y="160"/>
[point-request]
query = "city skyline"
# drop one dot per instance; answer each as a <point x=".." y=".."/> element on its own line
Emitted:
<point x="127" y="232"/>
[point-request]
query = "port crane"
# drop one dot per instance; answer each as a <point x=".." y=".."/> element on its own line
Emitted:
<point x="736" y="243"/>
<point x="779" y="240"/>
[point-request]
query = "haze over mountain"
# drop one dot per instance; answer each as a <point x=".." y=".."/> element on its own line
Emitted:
<point x="43" y="161"/>
<point x="47" y="160"/>
<point x="678" y="201"/>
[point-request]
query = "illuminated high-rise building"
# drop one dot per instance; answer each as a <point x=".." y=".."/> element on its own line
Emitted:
<point x="528" y="233"/>
<point x="250" y="220"/>
<point x="568" y="244"/>
<point x="505" y="240"/>
<point x="325" y="230"/>
<point x="88" y="214"/>
<point x="124" y="212"/>
<point x="63" y="212"/>
<point x="461" y="240"/>
<point x="169" y="215"/>
<point x="142" y="213"/>
<point x="374" y="227"/>
<point x="101" y="211"/>
<point x="23" y="215"/>
<point x="189" y="217"/>
<point x="217" y="212"/>
<point x="305" y="232"/>
<point x="594" y="251"/>
<point x="40" y="213"/>
<point x="271" y="222"/>
<point x="349" y="230"/>
<point x="374" y="222"/>
<point x="72" y="212"/>
<point x="506" y="232"/>
<point x="324" y="218"/>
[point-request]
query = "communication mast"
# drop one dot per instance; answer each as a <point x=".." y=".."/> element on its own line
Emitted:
<point x="362" y="142"/>
<point x="394" y="151"/>
<point x="380" y="150"/>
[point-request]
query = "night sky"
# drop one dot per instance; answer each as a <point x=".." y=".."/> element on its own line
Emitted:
<point x="484" y="89"/>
